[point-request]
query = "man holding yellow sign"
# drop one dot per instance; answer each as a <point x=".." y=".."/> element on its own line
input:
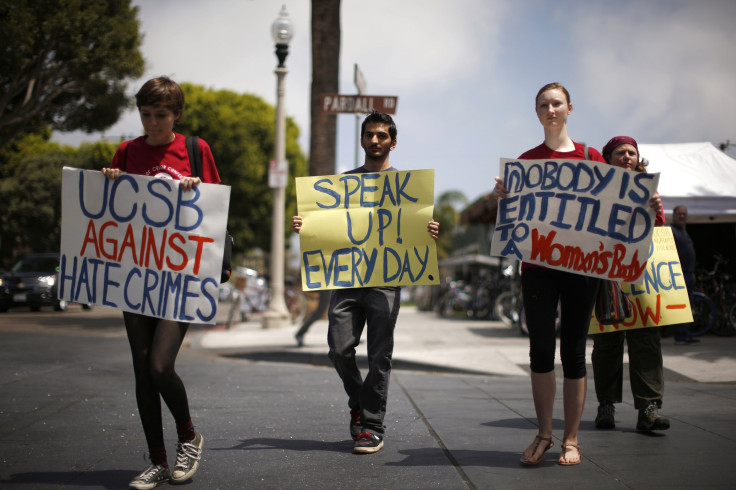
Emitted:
<point x="352" y="271"/>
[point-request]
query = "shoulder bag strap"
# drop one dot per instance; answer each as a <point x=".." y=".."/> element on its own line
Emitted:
<point x="195" y="156"/>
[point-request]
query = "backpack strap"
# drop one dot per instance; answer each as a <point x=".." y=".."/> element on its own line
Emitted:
<point x="587" y="153"/>
<point x="195" y="163"/>
<point x="125" y="157"/>
<point x="195" y="156"/>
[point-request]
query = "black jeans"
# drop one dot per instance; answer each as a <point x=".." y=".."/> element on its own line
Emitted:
<point x="350" y="309"/>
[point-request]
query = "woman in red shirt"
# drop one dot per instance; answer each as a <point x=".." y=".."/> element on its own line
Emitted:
<point x="154" y="342"/>
<point x="543" y="288"/>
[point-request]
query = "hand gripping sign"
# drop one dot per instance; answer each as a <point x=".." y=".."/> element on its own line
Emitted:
<point x="662" y="298"/>
<point x="367" y="229"/>
<point x="579" y="216"/>
<point x="141" y="244"/>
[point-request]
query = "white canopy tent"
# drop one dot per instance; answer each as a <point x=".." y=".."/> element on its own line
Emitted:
<point x="697" y="175"/>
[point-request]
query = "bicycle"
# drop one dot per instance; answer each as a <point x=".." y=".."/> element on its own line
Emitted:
<point x="457" y="299"/>
<point x="509" y="308"/>
<point x="246" y="302"/>
<point x="486" y="290"/>
<point x="508" y="303"/>
<point x="714" y="304"/>
<point x="731" y="317"/>
<point x="704" y="314"/>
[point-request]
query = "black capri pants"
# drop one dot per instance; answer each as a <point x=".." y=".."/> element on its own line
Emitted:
<point x="542" y="288"/>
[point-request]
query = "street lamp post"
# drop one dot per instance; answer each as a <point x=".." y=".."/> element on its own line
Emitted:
<point x="277" y="314"/>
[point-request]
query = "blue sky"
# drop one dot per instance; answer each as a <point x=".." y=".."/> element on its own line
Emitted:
<point x="466" y="71"/>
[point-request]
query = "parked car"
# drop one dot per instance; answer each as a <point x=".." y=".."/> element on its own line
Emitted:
<point x="32" y="282"/>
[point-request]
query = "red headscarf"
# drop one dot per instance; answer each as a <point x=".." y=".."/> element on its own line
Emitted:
<point x="615" y="142"/>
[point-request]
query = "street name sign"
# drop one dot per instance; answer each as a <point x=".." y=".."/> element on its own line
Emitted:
<point x="356" y="104"/>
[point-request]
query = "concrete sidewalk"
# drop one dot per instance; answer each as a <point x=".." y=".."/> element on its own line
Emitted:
<point x="464" y="346"/>
<point x="460" y="409"/>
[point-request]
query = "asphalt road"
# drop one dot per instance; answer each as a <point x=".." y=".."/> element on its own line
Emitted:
<point x="68" y="416"/>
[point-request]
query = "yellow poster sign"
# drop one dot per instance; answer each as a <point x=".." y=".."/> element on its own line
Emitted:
<point x="662" y="298"/>
<point x="367" y="229"/>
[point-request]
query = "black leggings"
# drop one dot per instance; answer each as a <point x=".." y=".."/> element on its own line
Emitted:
<point x="542" y="288"/>
<point x="154" y="344"/>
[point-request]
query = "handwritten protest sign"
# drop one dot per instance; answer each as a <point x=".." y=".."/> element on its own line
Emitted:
<point x="578" y="216"/>
<point x="367" y="230"/>
<point x="141" y="244"/>
<point x="662" y="299"/>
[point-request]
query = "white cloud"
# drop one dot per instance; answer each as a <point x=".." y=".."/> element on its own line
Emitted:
<point x="664" y="72"/>
<point x="466" y="71"/>
<point x="412" y="45"/>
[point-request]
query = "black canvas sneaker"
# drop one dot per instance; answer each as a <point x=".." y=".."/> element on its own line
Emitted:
<point x="188" y="455"/>
<point x="151" y="477"/>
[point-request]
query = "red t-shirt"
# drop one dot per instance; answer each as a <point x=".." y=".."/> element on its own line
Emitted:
<point x="544" y="151"/>
<point x="166" y="161"/>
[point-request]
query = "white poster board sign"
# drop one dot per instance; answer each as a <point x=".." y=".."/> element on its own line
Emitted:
<point x="141" y="244"/>
<point x="579" y="216"/>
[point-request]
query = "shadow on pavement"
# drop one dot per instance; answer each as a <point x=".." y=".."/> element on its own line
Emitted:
<point x="95" y="479"/>
<point x="261" y="443"/>
<point x="323" y="361"/>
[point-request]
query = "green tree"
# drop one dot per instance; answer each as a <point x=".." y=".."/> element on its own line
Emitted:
<point x="33" y="143"/>
<point x="447" y="213"/>
<point x="240" y="130"/>
<point x="30" y="188"/>
<point x="94" y="156"/>
<point x="65" y="63"/>
<point x="31" y="199"/>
